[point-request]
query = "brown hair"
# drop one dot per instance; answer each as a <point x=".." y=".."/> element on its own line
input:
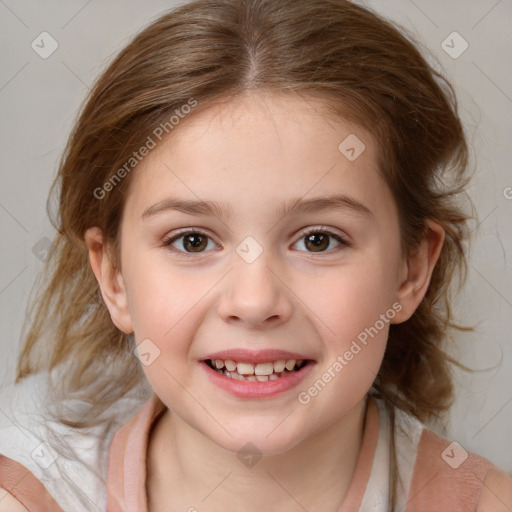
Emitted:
<point x="363" y="69"/>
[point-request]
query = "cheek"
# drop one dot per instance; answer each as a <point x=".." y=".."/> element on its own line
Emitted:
<point x="349" y="300"/>
<point x="354" y="311"/>
<point x="167" y="306"/>
<point x="159" y="297"/>
<point x="165" y="326"/>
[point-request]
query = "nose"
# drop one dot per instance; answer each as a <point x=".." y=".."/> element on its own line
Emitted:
<point x="256" y="294"/>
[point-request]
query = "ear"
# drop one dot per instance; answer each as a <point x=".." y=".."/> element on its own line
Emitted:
<point x="110" y="280"/>
<point x="417" y="272"/>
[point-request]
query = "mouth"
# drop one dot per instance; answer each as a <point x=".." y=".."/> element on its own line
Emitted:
<point x="257" y="372"/>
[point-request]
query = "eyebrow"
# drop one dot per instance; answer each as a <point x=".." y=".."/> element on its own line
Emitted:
<point x="295" y="206"/>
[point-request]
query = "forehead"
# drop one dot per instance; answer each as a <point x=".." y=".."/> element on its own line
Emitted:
<point x="261" y="149"/>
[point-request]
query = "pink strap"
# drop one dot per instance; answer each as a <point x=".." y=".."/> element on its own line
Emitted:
<point x="25" y="487"/>
<point x="443" y="478"/>
<point x="361" y="475"/>
<point x="126" y="479"/>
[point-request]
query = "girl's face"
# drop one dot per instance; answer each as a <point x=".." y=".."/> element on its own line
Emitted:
<point x="252" y="282"/>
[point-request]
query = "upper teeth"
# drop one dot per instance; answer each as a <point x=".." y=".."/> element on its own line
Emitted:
<point x="257" y="369"/>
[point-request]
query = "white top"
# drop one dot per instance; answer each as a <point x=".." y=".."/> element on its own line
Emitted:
<point x="71" y="464"/>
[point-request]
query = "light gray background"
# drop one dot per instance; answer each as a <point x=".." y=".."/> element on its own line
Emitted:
<point x="39" y="99"/>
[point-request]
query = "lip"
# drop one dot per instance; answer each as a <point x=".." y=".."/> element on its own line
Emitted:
<point x="252" y="390"/>
<point x="250" y="356"/>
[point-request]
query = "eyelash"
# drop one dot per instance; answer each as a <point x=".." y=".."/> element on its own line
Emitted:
<point x="169" y="240"/>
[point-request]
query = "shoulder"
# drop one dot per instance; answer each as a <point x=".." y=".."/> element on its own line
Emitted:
<point x="70" y="464"/>
<point x="8" y="503"/>
<point x="447" y="474"/>
<point x="435" y="473"/>
<point x="496" y="493"/>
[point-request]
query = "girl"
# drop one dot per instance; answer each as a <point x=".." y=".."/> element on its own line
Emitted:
<point x="248" y="292"/>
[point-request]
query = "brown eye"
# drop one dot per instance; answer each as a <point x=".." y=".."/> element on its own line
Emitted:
<point x="194" y="242"/>
<point x="319" y="240"/>
<point x="189" y="242"/>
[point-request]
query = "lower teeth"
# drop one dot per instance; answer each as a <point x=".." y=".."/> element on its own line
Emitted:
<point x="253" y="378"/>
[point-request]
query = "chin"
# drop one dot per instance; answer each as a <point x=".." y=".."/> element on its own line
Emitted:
<point x="258" y="442"/>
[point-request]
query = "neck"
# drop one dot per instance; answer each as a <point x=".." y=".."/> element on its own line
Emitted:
<point x="186" y="470"/>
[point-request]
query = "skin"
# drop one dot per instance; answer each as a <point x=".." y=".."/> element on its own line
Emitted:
<point x="290" y="297"/>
